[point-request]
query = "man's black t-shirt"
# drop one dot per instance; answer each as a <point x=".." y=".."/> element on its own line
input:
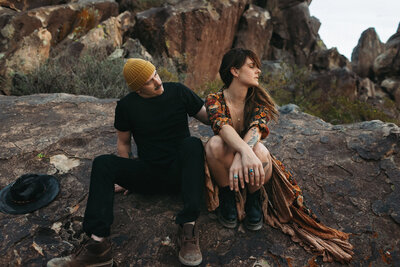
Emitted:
<point x="158" y="124"/>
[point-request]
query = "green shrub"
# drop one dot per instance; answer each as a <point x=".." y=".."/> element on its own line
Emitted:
<point x="292" y="85"/>
<point x="209" y="87"/>
<point x="167" y="75"/>
<point x="92" y="74"/>
<point x="96" y="75"/>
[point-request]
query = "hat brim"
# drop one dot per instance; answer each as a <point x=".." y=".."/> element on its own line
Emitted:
<point x="8" y="206"/>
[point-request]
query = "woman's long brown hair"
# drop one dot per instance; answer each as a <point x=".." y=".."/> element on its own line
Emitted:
<point x="235" y="58"/>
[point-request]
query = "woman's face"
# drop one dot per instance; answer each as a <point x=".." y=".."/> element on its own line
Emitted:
<point x="249" y="73"/>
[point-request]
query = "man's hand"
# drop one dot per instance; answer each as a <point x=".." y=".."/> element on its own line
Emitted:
<point x="118" y="189"/>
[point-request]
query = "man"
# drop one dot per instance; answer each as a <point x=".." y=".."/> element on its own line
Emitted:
<point x="155" y="115"/>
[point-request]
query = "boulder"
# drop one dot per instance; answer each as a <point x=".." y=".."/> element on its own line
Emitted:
<point x="295" y="31"/>
<point x="387" y="64"/>
<point x="33" y="50"/>
<point x="302" y="31"/>
<point x="329" y="59"/>
<point x="59" y="21"/>
<point x="349" y="175"/>
<point x="19" y="5"/>
<point x="364" y="54"/>
<point x="392" y="86"/>
<point x="255" y="30"/>
<point x="272" y="68"/>
<point x="104" y="38"/>
<point x="281" y="4"/>
<point x="340" y="81"/>
<point x="139" y="5"/>
<point x="7" y="31"/>
<point x="193" y="33"/>
<point x="366" y="89"/>
<point x="133" y="48"/>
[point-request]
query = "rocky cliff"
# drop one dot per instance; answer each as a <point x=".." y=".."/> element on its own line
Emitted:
<point x="192" y="37"/>
<point x="350" y="176"/>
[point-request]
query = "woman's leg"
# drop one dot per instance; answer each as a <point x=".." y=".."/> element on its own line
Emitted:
<point x="219" y="158"/>
<point x="253" y="209"/>
<point x="263" y="154"/>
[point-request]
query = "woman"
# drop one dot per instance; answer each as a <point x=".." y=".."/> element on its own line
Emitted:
<point x="247" y="181"/>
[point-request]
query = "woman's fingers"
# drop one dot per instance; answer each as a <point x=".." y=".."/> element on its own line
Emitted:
<point x="250" y="173"/>
<point x="262" y="174"/>
<point x="231" y="177"/>
<point x="246" y="174"/>
<point x="236" y="181"/>
<point x="256" y="174"/>
<point x="241" y="179"/>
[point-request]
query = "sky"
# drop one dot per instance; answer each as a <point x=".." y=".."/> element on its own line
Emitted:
<point x="343" y="21"/>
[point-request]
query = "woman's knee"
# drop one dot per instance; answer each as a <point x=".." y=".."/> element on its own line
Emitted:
<point x="215" y="147"/>
<point x="262" y="152"/>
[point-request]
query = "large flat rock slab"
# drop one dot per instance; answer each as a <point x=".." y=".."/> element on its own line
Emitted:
<point x="349" y="175"/>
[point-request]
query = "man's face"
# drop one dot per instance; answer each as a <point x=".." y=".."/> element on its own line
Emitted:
<point x="152" y="87"/>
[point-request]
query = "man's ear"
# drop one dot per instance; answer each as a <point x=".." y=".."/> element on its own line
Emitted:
<point x="234" y="72"/>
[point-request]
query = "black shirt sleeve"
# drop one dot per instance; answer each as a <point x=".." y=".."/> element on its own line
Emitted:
<point x="121" y="121"/>
<point x="192" y="101"/>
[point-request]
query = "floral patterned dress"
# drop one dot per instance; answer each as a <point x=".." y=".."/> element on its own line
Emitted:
<point x="219" y="115"/>
<point x="282" y="199"/>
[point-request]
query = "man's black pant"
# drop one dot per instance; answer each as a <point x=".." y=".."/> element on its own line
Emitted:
<point x="185" y="173"/>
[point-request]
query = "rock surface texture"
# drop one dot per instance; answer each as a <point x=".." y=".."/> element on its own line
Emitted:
<point x="193" y="33"/>
<point x="349" y="174"/>
<point x="255" y="30"/>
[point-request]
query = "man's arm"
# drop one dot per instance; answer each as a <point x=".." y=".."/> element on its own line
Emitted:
<point x="124" y="144"/>
<point x="202" y="116"/>
<point x="124" y="151"/>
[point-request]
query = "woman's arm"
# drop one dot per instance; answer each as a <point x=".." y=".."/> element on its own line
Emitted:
<point x="251" y="167"/>
<point x="252" y="136"/>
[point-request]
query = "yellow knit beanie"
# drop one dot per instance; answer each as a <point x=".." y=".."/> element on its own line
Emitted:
<point x="136" y="72"/>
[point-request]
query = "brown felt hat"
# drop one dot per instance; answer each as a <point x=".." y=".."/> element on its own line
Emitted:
<point x="136" y="72"/>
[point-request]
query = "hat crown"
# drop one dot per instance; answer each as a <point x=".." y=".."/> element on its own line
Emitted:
<point x="136" y="72"/>
<point x="27" y="188"/>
